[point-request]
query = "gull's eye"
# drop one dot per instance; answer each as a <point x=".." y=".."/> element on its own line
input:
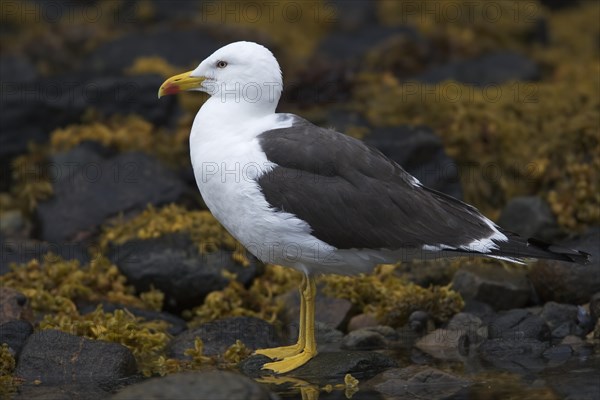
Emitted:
<point x="221" y="64"/>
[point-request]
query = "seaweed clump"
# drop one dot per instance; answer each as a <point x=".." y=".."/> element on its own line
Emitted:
<point x="391" y="299"/>
<point x="259" y="300"/>
<point x="515" y="138"/>
<point x="55" y="285"/>
<point x="8" y="383"/>
<point x="201" y="226"/>
<point x="124" y="133"/>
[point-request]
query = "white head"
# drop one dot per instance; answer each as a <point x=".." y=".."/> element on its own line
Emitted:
<point x="244" y="73"/>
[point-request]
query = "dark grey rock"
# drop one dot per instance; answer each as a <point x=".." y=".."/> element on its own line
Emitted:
<point x="127" y="182"/>
<point x="21" y="251"/>
<point x="530" y="216"/>
<point x="66" y="391"/>
<point x="351" y="16"/>
<point x="331" y="311"/>
<point x="57" y="358"/>
<point x="514" y="355"/>
<point x="557" y="355"/>
<point x="349" y="47"/>
<point x="220" y="334"/>
<point x="464" y="322"/>
<point x="595" y="307"/>
<point x="560" y="4"/>
<point x="327" y="366"/>
<point x="421" y="153"/>
<point x="15" y="333"/>
<point x="490" y="69"/>
<point x="482" y="310"/>
<point x="15" y="69"/>
<point x="209" y="384"/>
<point x="171" y="44"/>
<point x="417" y="382"/>
<point x="518" y="324"/>
<point x="173" y="264"/>
<point x="569" y="283"/>
<point x="562" y="319"/>
<point x="371" y="338"/>
<point x="31" y="111"/>
<point x="419" y="321"/>
<point x="493" y="284"/>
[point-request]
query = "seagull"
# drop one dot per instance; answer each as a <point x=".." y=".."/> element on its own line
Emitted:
<point x="314" y="199"/>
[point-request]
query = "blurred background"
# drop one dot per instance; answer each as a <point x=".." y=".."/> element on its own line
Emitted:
<point x="493" y="102"/>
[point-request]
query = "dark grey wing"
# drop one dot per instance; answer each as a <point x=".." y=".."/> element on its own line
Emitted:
<point x="352" y="196"/>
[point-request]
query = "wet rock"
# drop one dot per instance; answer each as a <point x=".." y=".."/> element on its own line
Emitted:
<point x="575" y="379"/>
<point x="417" y="382"/>
<point x="489" y="69"/>
<point x="173" y="264"/>
<point x="220" y="334"/>
<point x="349" y="47"/>
<point x="559" y="4"/>
<point x="514" y="355"/>
<point x="371" y="338"/>
<point x="331" y="311"/>
<point x="17" y="69"/>
<point x="354" y="15"/>
<point x="518" y="324"/>
<point x="65" y="391"/>
<point x="176" y="325"/>
<point x="580" y="347"/>
<point x="558" y="354"/>
<point x="493" y="284"/>
<point x="569" y="283"/>
<point x="21" y="251"/>
<point x="595" y="307"/>
<point x="170" y="44"/>
<point x="447" y="344"/>
<point x="15" y="333"/>
<point x="81" y="204"/>
<point x="16" y="72"/>
<point x="421" y="153"/>
<point x="14" y="305"/>
<point x="464" y="322"/>
<point x="419" y="321"/>
<point x="483" y="311"/>
<point x="328" y="338"/>
<point x="328" y="366"/>
<point x="198" y="385"/>
<point x="57" y="358"/>
<point x="530" y="216"/>
<point x="31" y="111"/>
<point x="361" y="321"/>
<point x="561" y="319"/>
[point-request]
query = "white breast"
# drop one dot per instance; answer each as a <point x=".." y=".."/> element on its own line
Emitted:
<point x="226" y="168"/>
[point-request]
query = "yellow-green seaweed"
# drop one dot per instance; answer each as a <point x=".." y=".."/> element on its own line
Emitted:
<point x="390" y="298"/>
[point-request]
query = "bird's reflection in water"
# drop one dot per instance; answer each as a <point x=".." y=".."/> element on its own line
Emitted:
<point x="287" y="385"/>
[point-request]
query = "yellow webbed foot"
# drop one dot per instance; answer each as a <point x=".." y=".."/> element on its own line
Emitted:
<point x="279" y="353"/>
<point x="290" y="363"/>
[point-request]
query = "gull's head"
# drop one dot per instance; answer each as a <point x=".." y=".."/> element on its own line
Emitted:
<point x="240" y="71"/>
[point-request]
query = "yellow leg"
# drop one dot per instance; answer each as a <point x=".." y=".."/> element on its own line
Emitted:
<point x="310" y="345"/>
<point x="279" y="353"/>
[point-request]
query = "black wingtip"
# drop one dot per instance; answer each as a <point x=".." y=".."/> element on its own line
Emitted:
<point x="562" y="253"/>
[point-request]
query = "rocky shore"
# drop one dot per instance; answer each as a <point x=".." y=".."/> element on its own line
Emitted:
<point x="116" y="282"/>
